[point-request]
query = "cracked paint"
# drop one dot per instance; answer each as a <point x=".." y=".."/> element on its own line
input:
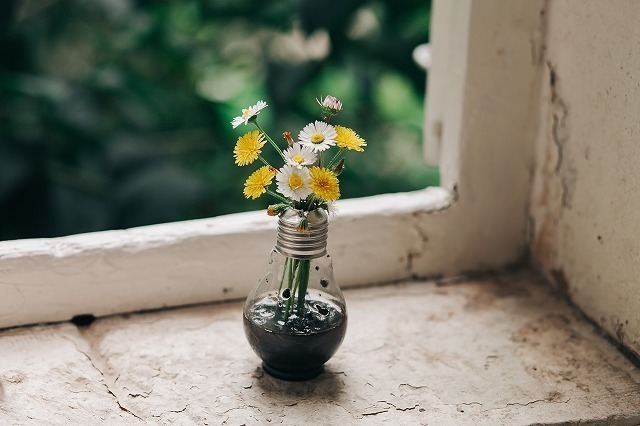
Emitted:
<point x="560" y="135"/>
<point x="420" y="244"/>
<point x="104" y="380"/>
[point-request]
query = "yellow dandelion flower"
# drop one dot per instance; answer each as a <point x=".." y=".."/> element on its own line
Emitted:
<point x="324" y="183"/>
<point x="256" y="183"/>
<point x="347" y="138"/>
<point x="248" y="147"/>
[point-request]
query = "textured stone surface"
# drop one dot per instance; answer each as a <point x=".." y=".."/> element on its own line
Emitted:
<point x="498" y="350"/>
<point x="46" y="377"/>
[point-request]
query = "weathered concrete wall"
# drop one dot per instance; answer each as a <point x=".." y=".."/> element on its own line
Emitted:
<point x="585" y="205"/>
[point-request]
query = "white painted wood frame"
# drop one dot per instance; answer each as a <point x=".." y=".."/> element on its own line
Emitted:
<point x="481" y="125"/>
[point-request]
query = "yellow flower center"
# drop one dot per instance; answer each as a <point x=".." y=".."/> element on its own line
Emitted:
<point x="317" y="137"/>
<point x="295" y="182"/>
<point x="246" y="113"/>
<point x="298" y="159"/>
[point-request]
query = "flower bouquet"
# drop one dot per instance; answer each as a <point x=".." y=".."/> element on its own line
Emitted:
<point x="298" y="296"/>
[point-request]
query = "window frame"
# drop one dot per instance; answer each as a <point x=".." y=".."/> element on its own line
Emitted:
<point x="480" y="128"/>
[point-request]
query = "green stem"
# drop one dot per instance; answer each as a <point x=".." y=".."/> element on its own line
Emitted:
<point x="310" y="203"/>
<point x="264" y="161"/>
<point x="303" y="279"/>
<point x="284" y="271"/>
<point x="279" y="197"/>
<point x="270" y="140"/>
<point x="293" y="269"/>
<point x="295" y="281"/>
<point x="334" y="158"/>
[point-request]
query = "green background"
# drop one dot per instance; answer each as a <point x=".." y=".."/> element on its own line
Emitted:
<point x="115" y="113"/>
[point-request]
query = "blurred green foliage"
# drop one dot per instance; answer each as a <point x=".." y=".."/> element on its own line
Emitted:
<point x="115" y="113"/>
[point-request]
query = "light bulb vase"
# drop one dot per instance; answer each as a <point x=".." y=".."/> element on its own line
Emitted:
<point x="295" y="318"/>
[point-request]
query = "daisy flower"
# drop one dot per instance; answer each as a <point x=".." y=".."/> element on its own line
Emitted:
<point x="248" y="148"/>
<point x="256" y="184"/>
<point x="293" y="183"/>
<point x="298" y="156"/>
<point x="248" y="113"/>
<point x="347" y="138"/>
<point x="324" y="183"/>
<point x="318" y="136"/>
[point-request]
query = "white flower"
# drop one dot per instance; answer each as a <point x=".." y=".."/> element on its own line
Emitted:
<point x="318" y="136"/>
<point x="331" y="103"/>
<point x="248" y="113"/>
<point x="293" y="183"/>
<point x="298" y="156"/>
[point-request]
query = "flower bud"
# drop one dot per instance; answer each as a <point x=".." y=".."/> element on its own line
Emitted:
<point x="338" y="168"/>
<point x="277" y="209"/>
<point x="287" y="136"/>
<point x="330" y="105"/>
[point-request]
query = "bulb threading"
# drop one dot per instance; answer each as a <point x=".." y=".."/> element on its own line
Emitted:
<point x="309" y="244"/>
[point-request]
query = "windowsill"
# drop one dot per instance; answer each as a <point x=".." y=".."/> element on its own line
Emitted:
<point x="216" y="259"/>
<point x="497" y="350"/>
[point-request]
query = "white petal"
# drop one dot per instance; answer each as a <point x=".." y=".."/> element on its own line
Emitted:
<point x="282" y="181"/>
